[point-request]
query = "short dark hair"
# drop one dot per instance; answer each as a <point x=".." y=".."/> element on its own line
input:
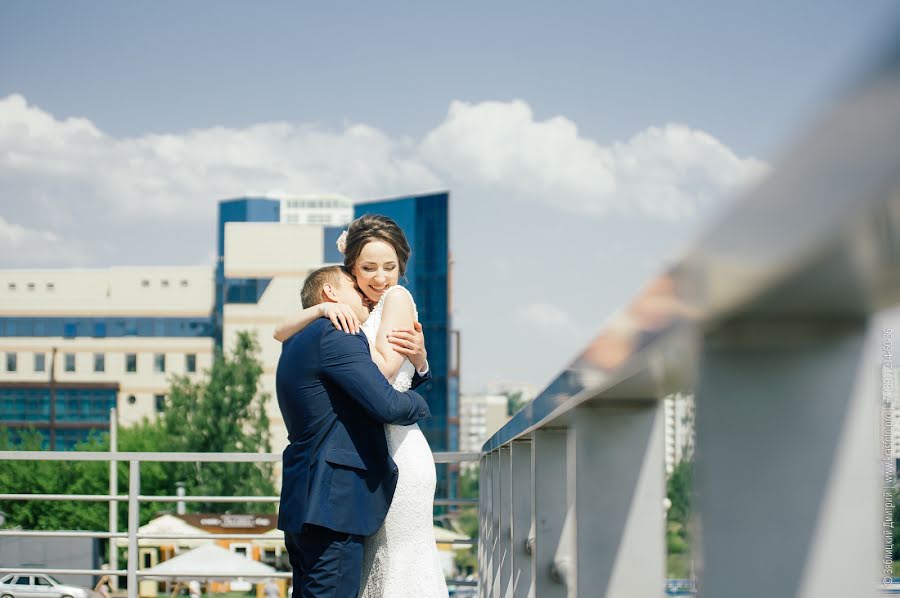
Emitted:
<point x="375" y="227"/>
<point x="316" y="281"/>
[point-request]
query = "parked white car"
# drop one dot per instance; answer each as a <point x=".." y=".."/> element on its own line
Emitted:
<point x="40" y="586"/>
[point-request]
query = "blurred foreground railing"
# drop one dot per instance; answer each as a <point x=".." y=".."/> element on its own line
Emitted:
<point x="134" y="499"/>
<point x="772" y="320"/>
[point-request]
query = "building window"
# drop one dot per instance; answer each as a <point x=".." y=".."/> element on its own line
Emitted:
<point x="99" y="329"/>
<point x="190" y="362"/>
<point x="145" y="283"/>
<point x="30" y="286"/>
<point x="11" y="362"/>
<point x="131" y="400"/>
<point x="69" y="330"/>
<point x="51" y="286"/>
<point x="159" y="362"/>
<point x="160" y="402"/>
<point x="164" y="284"/>
<point x="70" y="362"/>
<point x="11" y="286"/>
<point x="184" y="283"/>
<point x="40" y="362"/>
<point x="99" y="362"/>
<point x="131" y="362"/>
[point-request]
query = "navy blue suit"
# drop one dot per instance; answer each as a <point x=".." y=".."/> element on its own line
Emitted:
<point x="338" y="478"/>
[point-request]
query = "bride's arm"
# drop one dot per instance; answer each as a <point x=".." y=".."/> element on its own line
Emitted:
<point x="398" y="313"/>
<point x="340" y="315"/>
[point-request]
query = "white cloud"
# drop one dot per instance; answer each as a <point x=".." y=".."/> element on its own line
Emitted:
<point x="663" y="172"/>
<point x="104" y="197"/>
<point x="21" y="246"/>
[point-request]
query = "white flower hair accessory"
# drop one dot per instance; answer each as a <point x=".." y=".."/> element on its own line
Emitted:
<point x="342" y="242"/>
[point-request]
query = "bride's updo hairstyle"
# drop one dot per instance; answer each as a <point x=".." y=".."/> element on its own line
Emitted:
<point x="375" y="227"/>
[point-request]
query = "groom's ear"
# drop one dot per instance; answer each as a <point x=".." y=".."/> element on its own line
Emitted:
<point x="329" y="293"/>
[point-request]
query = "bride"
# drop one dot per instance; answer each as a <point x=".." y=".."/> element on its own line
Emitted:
<point x="401" y="558"/>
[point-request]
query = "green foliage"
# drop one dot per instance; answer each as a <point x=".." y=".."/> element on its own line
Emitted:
<point x="466" y="519"/>
<point x="223" y="412"/>
<point x="468" y="483"/>
<point x="42" y="477"/>
<point x="678" y="489"/>
<point x="514" y="402"/>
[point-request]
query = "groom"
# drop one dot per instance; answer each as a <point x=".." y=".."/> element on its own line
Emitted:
<point x="338" y="478"/>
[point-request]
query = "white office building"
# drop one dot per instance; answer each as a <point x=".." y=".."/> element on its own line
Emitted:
<point x="679" y="414"/>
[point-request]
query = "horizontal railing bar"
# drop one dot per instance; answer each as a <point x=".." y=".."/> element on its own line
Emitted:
<point x="32" y="571"/>
<point x="442" y="502"/>
<point x="85" y="497"/>
<point x="143" y="457"/>
<point x="456" y="457"/>
<point x="146" y="574"/>
<point x="440" y="457"/>
<point x="6" y="533"/>
<point x="196" y="498"/>
<point x="462" y="582"/>
<point x="203" y="574"/>
<point x="468" y="542"/>
<point x="210" y="537"/>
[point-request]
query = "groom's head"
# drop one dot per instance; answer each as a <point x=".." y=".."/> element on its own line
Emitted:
<point x="333" y="284"/>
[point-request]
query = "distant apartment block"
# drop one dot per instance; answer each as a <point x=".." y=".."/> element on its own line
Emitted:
<point x="480" y="415"/>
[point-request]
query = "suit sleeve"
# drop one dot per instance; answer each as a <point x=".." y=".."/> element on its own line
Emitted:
<point x="419" y="379"/>
<point x="347" y="362"/>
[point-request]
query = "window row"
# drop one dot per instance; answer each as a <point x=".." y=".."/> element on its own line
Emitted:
<point x="105" y="327"/>
<point x="317" y="203"/>
<point x="164" y="283"/>
<point x="131" y="362"/>
<point x="31" y="286"/>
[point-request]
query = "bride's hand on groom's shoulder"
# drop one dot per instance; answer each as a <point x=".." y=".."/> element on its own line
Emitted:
<point x="341" y="315"/>
<point x="411" y="343"/>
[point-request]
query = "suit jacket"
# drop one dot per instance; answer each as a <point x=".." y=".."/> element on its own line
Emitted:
<point x="337" y="472"/>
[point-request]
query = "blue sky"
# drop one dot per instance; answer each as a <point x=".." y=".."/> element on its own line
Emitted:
<point x="513" y="106"/>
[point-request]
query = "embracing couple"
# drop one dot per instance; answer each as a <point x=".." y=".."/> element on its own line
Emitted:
<point x="358" y="476"/>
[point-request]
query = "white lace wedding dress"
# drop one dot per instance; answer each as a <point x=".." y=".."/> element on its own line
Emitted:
<point x="401" y="559"/>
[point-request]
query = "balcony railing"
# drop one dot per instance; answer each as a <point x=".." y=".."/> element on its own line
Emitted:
<point x="134" y="498"/>
<point x="774" y="320"/>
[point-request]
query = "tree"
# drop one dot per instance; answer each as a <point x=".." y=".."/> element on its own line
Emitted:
<point x="514" y="402"/>
<point x="678" y="489"/>
<point x="225" y="413"/>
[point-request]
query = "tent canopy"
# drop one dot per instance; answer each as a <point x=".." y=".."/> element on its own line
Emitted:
<point x="210" y="562"/>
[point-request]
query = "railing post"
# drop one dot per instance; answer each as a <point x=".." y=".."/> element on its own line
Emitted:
<point x="549" y="505"/>
<point x="496" y="502"/>
<point x="113" y="491"/>
<point x="503" y="528"/>
<point x="134" y="490"/>
<point x="521" y="524"/>
<point x="485" y="538"/>
<point x="786" y="470"/>
<point x="617" y="481"/>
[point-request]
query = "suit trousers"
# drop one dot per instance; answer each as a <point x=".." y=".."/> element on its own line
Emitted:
<point x="326" y="563"/>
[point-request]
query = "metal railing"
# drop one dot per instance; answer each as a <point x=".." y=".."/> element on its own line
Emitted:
<point x="774" y="321"/>
<point x="134" y="498"/>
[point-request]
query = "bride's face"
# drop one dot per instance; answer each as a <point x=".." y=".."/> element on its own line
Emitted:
<point x="376" y="269"/>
